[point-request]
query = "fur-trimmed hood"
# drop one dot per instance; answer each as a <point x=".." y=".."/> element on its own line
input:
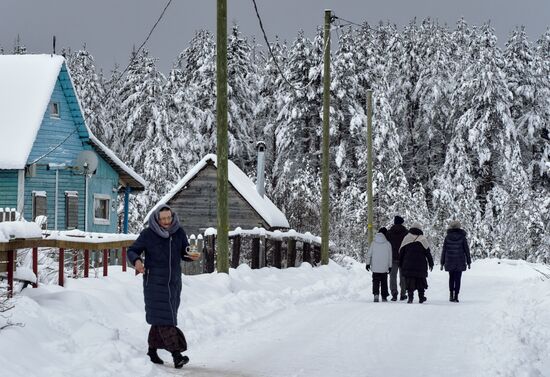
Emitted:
<point x="414" y="235"/>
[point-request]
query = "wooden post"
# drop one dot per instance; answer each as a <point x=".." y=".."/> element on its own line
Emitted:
<point x="236" y="253"/>
<point x="306" y="252"/>
<point x="210" y="253"/>
<point x="35" y="265"/>
<point x="61" y="267"/>
<point x="75" y="264"/>
<point x="222" y="136"/>
<point x="277" y="253"/>
<point x="291" y="257"/>
<point x="325" y="197"/>
<point x="86" y="262"/>
<point x="105" y="262"/>
<point x="255" y="253"/>
<point x="263" y="251"/>
<point x="317" y="254"/>
<point x="11" y="263"/>
<point x="123" y="259"/>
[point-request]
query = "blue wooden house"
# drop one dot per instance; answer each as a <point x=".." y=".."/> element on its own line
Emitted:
<point x="50" y="163"/>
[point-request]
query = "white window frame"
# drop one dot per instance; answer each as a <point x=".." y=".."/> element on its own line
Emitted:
<point x="54" y="105"/>
<point x="102" y="221"/>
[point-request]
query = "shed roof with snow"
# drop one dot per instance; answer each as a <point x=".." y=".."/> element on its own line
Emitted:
<point x="194" y="199"/>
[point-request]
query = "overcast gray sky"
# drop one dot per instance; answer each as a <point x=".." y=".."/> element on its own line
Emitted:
<point x="111" y="27"/>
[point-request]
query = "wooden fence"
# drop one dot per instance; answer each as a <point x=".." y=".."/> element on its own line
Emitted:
<point x="8" y="255"/>
<point x="274" y="249"/>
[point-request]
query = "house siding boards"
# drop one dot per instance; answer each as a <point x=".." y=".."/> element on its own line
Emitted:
<point x="44" y="180"/>
<point x="8" y="188"/>
<point x="196" y="205"/>
<point x="53" y="131"/>
<point x="103" y="182"/>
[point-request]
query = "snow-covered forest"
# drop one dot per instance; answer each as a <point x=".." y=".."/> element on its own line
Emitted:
<point x="461" y="127"/>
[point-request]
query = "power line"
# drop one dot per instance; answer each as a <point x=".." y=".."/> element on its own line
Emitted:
<point x="113" y="85"/>
<point x="273" y="56"/>
<point x="349" y="22"/>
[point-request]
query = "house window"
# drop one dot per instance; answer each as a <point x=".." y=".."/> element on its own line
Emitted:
<point x="54" y="109"/>
<point x="102" y="206"/>
<point x="71" y="209"/>
<point x="39" y="206"/>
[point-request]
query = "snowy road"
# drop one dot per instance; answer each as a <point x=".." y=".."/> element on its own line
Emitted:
<point x="362" y="338"/>
<point x="304" y="322"/>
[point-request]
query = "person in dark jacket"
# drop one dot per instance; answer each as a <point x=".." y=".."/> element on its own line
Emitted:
<point x="395" y="235"/>
<point x="454" y="257"/>
<point x="415" y="258"/>
<point x="163" y="244"/>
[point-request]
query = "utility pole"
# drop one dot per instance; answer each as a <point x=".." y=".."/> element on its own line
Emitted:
<point x="369" y="165"/>
<point x="326" y="116"/>
<point x="222" y="144"/>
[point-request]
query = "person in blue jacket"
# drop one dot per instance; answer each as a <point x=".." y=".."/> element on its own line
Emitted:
<point x="454" y="257"/>
<point x="163" y="244"/>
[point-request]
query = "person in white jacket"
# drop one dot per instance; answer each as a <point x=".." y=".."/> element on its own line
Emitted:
<point x="379" y="261"/>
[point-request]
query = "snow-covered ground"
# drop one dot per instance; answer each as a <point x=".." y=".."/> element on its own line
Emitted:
<point x="297" y="322"/>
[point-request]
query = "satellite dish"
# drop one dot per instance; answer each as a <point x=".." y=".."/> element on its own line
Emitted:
<point x="87" y="162"/>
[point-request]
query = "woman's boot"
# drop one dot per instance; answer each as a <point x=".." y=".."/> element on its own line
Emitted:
<point x="154" y="356"/>
<point x="179" y="360"/>
<point x="452" y="296"/>
<point x="456" y="297"/>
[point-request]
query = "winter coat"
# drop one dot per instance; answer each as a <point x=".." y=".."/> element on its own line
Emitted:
<point x="379" y="254"/>
<point x="395" y="235"/>
<point x="456" y="253"/>
<point x="162" y="277"/>
<point x="415" y="255"/>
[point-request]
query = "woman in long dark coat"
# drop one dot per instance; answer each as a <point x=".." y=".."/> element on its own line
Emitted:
<point x="414" y="259"/>
<point x="454" y="257"/>
<point x="163" y="244"/>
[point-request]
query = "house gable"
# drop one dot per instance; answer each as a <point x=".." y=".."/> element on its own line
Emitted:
<point x="196" y="204"/>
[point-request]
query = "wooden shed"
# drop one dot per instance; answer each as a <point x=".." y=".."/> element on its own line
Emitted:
<point x="43" y="135"/>
<point x="194" y="199"/>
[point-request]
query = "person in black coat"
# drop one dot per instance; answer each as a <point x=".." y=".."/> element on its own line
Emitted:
<point x="415" y="258"/>
<point x="163" y="244"/>
<point x="454" y="257"/>
<point x="395" y="235"/>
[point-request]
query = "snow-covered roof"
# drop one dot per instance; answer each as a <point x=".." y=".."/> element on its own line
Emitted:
<point x="128" y="175"/>
<point x="26" y="83"/>
<point x="244" y="186"/>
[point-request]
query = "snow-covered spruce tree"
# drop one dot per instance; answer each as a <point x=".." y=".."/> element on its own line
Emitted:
<point x="113" y="125"/>
<point x="432" y="92"/>
<point x="530" y="98"/>
<point x="405" y="55"/>
<point x="541" y="146"/>
<point x="454" y="197"/>
<point x="191" y="100"/>
<point x="269" y="105"/>
<point x="89" y="89"/>
<point x="347" y="139"/>
<point x="510" y="205"/>
<point x="297" y="167"/>
<point x="18" y="47"/>
<point x="143" y="110"/>
<point x="481" y="112"/>
<point x="242" y="88"/>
